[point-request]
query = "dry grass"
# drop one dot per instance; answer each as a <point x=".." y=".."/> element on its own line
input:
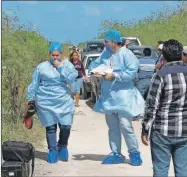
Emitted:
<point x="18" y="132"/>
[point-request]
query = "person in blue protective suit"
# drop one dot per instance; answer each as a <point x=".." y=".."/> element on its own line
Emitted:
<point x="53" y="100"/>
<point x="119" y="100"/>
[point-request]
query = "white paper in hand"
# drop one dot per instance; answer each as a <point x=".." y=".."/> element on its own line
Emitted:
<point x="102" y="69"/>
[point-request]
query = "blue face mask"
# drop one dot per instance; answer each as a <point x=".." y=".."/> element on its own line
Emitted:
<point x="107" y="47"/>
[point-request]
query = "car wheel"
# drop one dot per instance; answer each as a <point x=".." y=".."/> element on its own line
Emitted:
<point x="84" y="92"/>
<point x="93" y="97"/>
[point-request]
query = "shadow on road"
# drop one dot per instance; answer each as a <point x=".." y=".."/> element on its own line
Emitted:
<point x="41" y="155"/>
<point x="93" y="157"/>
<point x="89" y="103"/>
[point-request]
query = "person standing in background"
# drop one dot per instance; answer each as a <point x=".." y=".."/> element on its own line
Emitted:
<point x="184" y="54"/>
<point x="159" y="61"/>
<point x="76" y="85"/>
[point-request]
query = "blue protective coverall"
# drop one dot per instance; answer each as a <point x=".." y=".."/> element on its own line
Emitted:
<point x="49" y="89"/>
<point x="119" y="96"/>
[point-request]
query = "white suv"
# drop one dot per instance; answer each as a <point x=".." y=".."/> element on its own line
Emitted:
<point x="134" y="41"/>
<point x="86" y="86"/>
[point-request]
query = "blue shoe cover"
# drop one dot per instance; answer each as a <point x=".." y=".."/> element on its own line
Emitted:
<point x="52" y="157"/>
<point x="135" y="159"/>
<point x="64" y="155"/>
<point x="114" y="158"/>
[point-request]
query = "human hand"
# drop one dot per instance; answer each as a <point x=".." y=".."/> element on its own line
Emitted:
<point x="85" y="78"/>
<point x="57" y="63"/>
<point x="145" y="140"/>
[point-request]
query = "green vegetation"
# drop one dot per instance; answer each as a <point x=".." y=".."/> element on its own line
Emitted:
<point x="162" y="25"/>
<point x="81" y="45"/>
<point x="23" y="48"/>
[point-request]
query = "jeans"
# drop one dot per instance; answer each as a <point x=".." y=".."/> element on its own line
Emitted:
<point x="117" y="125"/>
<point x="52" y="138"/>
<point x="162" y="149"/>
<point x="143" y="85"/>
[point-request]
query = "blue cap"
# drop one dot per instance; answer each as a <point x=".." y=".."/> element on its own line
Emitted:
<point x="55" y="46"/>
<point x="113" y="35"/>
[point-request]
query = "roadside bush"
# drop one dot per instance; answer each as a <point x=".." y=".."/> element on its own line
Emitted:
<point x="161" y="25"/>
<point x="22" y="49"/>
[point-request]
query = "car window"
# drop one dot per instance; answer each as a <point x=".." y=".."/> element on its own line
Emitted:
<point x="134" y="42"/>
<point x="83" y="60"/>
<point x="137" y="52"/>
<point x="95" y="47"/>
<point x="89" y="60"/>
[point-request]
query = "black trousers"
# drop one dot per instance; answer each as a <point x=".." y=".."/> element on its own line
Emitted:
<point x="52" y="138"/>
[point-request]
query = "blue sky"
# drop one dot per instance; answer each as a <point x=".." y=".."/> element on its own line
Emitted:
<point x="78" y="21"/>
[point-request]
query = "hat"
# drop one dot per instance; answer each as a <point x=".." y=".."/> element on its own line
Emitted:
<point x="185" y="49"/>
<point x="55" y="46"/>
<point x="113" y="35"/>
<point x="160" y="46"/>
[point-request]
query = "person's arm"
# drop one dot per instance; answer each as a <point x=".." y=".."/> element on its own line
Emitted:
<point x="152" y="103"/>
<point x="33" y="87"/>
<point x="94" y="64"/>
<point x="68" y="71"/>
<point x="129" y="73"/>
<point x="97" y="62"/>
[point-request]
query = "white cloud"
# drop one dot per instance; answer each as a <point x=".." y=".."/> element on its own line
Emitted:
<point x="61" y="8"/>
<point x="117" y="8"/>
<point x="29" y="2"/>
<point x="92" y="11"/>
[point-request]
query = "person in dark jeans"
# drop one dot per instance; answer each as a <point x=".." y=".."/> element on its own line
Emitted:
<point x="166" y="113"/>
<point x="145" y="72"/>
<point x="76" y="85"/>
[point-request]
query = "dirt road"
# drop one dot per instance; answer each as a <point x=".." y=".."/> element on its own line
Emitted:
<point x="88" y="146"/>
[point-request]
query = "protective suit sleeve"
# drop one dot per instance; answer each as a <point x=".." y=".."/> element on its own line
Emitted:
<point x="130" y="69"/>
<point x="68" y="71"/>
<point x="33" y="87"/>
<point x="94" y="64"/>
<point x="97" y="62"/>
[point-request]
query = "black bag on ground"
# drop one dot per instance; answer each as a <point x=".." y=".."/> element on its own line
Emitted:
<point x="15" y="169"/>
<point x="18" y="151"/>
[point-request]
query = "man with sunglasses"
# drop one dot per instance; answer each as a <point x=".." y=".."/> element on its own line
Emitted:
<point x="120" y="101"/>
<point x="184" y="54"/>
